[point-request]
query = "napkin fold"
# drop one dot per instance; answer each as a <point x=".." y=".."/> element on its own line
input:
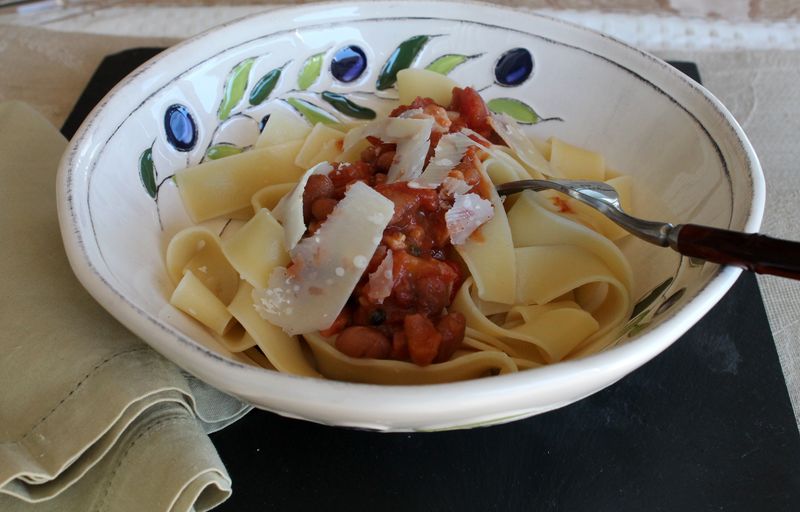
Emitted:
<point x="90" y="417"/>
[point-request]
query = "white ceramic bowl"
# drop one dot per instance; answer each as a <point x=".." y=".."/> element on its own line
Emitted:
<point x="689" y="158"/>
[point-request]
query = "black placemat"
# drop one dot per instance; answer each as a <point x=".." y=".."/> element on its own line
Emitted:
<point x="707" y="425"/>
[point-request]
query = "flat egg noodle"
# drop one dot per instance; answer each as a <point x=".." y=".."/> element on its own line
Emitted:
<point x="336" y="365"/>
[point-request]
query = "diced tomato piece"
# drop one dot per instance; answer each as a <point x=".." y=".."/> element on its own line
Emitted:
<point x="451" y="326"/>
<point x="473" y="110"/>
<point x="338" y="325"/>
<point x="407" y="201"/>
<point x="422" y="283"/>
<point x="422" y="338"/>
<point x="399" y="346"/>
<point x="433" y="293"/>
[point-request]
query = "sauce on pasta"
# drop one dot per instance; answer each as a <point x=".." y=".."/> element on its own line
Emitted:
<point x="387" y="252"/>
<point x="412" y="322"/>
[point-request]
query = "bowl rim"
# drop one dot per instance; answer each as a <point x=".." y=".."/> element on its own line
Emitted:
<point x="375" y="405"/>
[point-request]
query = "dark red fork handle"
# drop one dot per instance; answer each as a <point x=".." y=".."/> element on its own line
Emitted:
<point x="756" y="253"/>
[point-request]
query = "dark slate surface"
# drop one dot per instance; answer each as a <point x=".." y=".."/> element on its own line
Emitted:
<point x="707" y="425"/>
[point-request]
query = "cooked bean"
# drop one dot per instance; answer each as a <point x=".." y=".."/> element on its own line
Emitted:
<point x="422" y="338"/>
<point x="323" y="207"/>
<point x="370" y="154"/>
<point x="318" y="186"/>
<point x="363" y="342"/>
<point x="384" y="161"/>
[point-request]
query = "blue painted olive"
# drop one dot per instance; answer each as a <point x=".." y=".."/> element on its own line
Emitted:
<point x="180" y="128"/>
<point x="348" y="63"/>
<point x="513" y="67"/>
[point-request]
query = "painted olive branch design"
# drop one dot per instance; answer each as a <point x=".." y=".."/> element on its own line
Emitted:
<point x="245" y="94"/>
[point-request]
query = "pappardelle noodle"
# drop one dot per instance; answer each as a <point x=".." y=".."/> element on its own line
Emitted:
<point x="383" y="254"/>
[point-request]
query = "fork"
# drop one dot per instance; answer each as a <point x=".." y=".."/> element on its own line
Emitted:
<point x="751" y="251"/>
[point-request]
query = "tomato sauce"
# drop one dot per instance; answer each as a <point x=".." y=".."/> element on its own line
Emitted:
<point x="562" y="205"/>
<point x="411" y="323"/>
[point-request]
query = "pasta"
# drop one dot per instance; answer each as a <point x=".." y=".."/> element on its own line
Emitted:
<point x="383" y="254"/>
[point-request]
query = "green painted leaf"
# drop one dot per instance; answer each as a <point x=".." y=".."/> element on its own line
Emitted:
<point x="447" y="63"/>
<point x="401" y="58"/>
<point x="311" y="112"/>
<point x="519" y="111"/>
<point x="147" y="172"/>
<point x="651" y="297"/>
<point x="235" y="86"/>
<point x="222" y="150"/>
<point x="264" y="87"/>
<point x="310" y="71"/>
<point x="347" y="107"/>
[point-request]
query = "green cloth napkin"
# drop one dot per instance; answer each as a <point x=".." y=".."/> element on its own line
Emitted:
<point x="90" y="417"/>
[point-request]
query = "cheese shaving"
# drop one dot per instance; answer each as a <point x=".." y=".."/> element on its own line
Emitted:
<point x="510" y="132"/>
<point x="326" y="267"/>
<point x="449" y="152"/>
<point x="289" y="210"/>
<point x="412" y="137"/>
<point x="469" y="212"/>
<point x="454" y="186"/>
<point x="412" y="113"/>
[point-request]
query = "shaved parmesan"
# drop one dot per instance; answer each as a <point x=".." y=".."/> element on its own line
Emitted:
<point x="381" y="281"/>
<point x="469" y="212"/>
<point x="454" y="186"/>
<point x="289" y="210"/>
<point x="327" y="266"/>
<point x="449" y="152"/>
<point x="411" y="136"/>
<point x="512" y="135"/>
<point x="476" y="136"/>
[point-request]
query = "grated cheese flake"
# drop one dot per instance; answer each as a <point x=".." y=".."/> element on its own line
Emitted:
<point x="381" y="281"/>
